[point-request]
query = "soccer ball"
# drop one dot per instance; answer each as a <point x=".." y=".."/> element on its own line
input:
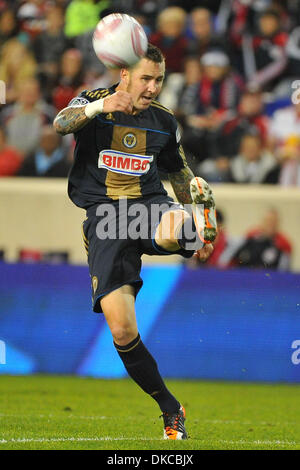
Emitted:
<point x="119" y="41"/>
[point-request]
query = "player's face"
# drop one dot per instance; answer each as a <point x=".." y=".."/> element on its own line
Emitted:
<point x="144" y="82"/>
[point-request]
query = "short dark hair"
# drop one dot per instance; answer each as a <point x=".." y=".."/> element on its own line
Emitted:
<point x="154" y="53"/>
<point x="270" y="12"/>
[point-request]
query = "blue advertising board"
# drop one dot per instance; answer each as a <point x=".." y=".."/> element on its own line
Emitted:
<point x="203" y="324"/>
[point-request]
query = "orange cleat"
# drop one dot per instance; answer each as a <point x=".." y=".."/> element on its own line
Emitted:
<point x="174" y="425"/>
<point x="204" y="209"/>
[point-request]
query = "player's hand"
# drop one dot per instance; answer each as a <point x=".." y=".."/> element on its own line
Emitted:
<point x="205" y="252"/>
<point x="119" y="101"/>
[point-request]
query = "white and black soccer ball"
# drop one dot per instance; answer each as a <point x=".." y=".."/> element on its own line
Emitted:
<point x="119" y="41"/>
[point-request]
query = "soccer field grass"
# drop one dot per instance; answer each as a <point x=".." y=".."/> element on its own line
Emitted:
<point x="50" y="412"/>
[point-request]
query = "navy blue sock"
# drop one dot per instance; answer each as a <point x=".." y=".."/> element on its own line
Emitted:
<point x="143" y="369"/>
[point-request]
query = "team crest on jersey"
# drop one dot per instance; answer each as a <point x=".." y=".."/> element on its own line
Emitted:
<point x="129" y="140"/>
<point x="126" y="163"/>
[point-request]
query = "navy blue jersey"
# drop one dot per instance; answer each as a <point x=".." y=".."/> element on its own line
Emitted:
<point x="119" y="155"/>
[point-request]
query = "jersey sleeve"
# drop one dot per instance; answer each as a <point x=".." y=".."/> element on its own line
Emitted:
<point x="172" y="158"/>
<point x="81" y="100"/>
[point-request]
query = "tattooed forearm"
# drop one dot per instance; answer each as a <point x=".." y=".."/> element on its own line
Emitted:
<point x="70" y="120"/>
<point x="180" y="182"/>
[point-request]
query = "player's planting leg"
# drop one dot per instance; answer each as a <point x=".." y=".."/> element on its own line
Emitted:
<point x="143" y="369"/>
<point x="118" y="308"/>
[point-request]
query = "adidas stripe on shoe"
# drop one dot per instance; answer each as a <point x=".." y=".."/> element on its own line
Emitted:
<point x="174" y="425"/>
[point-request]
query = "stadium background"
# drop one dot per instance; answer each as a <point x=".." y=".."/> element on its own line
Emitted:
<point x="231" y="324"/>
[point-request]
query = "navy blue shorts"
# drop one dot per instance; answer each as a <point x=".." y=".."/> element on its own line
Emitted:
<point x="114" y="252"/>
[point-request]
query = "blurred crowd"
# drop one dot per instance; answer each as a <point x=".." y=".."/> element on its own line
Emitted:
<point x="231" y="80"/>
<point x="262" y="246"/>
<point x="232" y="69"/>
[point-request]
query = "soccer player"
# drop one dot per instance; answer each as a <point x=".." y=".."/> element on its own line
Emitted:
<point x="123" y="136"/>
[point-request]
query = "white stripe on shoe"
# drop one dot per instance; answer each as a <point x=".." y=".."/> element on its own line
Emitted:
<point x="204" y="209"/>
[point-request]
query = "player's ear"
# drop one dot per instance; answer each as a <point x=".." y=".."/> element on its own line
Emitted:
<point x="124" y="74"/>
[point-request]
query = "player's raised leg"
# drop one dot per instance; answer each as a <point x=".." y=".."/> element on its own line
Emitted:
<point x="178" y="229"/>
<point x="166" y="234"/>
<point x="119" y="310"/>
<point x="204" y="209"/>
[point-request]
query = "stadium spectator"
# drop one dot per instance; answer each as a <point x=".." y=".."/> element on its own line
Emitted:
<point x="263" y="55"/>
<point x="293" y="10"/>
<point x="93" y="80"/>
<point x="24" y="120"/>
<point x="170" y="37"/>
<point x="292" y="71"/>
<point x="243" y="16"/>
<point x="240" y="21"/>
<point x="70" y="79"/>
<point x="290" y="168"/>
<point x="31" y="16"/>
<point x="83" y="15"/>
<point x="287" y="172"/>
<point x="48" y="48"/>
<point x="220" y="88"/>
<point x="254" y="162"/>
<point x="8" y="25"/>
<point x="223" y="15"/>
<point x="264" y="246"/>
<point x="248" y="117"/>
<point x="29" y="255"/>
<point x="210" y="132"/>
<point x="221" y="256"/>
<point x="90" y="62"/>
<point x="215" y="170"/>
<point x="49" y="160"/>
<point x="180" y="90"/>
<point x="204" y="37"/>
<point x="226" y="141"/>
<point x="189" y="5"/>
<point x="16" y="65"/>
<point x="284" y="122"/>
<point x="219" y="91"/>
<point x="10" y="157"/>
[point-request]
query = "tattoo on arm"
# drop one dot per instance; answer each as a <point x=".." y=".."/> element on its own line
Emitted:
<point x="180" y="182"/>
<point x="70" y="120"/>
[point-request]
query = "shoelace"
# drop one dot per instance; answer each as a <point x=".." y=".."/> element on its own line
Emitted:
<point x="170" y="422"/>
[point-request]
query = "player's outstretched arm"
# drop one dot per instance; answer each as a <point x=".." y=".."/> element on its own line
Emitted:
<point x="75" y="117"/>
<point x="70" y="120"/>
<point x="180" y="182"/>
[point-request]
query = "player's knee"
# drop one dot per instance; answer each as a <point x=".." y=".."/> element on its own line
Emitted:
<point x="123" y="334"/>
<point x="170" y="244"/>
<point x="166" y="233"/>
